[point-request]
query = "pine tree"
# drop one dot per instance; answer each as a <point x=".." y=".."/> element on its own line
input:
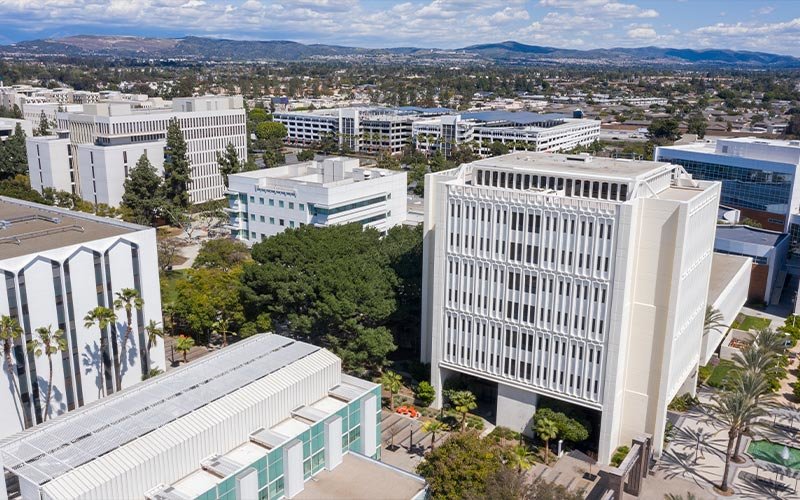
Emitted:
<point x="229" y="162"/>
<point x="13" y="157"/>
<point x="141" y="191"/>
<point x="44" y="125"/>
<point x="176" y="168"/>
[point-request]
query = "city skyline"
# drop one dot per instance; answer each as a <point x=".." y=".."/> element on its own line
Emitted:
<point x="740" y="25"/>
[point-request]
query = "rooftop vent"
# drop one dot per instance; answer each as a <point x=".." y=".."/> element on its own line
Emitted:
<point x="586" y="158"/>
<point x="794" y="143"/>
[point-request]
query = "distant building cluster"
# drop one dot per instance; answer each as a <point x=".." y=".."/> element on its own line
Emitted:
<point x="437" y="129"/>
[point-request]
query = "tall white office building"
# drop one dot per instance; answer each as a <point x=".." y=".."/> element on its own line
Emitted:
<point x="57" y="266"/>
<point x="106" y="131"/>
<point x="576" y="278"/>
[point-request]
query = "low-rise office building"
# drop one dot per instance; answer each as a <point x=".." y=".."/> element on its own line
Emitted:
<point x="520" y="130"/>
<point x="50" y="163"/>
<point x="58" y="265"/>
<point x="9" y="125"/>
<point x="268" y="417"/>
<point x="727" y="293"/>
<point x="758" y="176"/>
<point x="570" y="277"/>
<point x="334" y="191"/>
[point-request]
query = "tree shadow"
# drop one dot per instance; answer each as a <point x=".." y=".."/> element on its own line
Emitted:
<point x="761" y="486"/>
<point x="674" y="464"/>
<point x="13" y="388"/>
<point x="128" y="358"/>
<point x="92" y="359"/>
<point x="57" y="401"/>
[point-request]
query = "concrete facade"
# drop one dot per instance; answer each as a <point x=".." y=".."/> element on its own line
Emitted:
<point x="65" y="264"/>
<point x="49" y="163"/>
<point x="577" y="278"/>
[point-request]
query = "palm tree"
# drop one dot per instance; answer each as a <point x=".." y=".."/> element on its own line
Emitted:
<point x="152" y="372"/>
<point x="433" y="426"/>
<point x="754" y="359"/>
<point x="463" y="402"/>
<point x="102" y="317"/>
<point x="10" y="331"/>
<point x="392" y="382"/>
<point x="128" y="299"/>
<point x="154" y="332"/>
<point x="49" y="342"/>
<point x="184" y="344"/>
<point x="220" y="327"/>
<point x="546" y="429"/>
<point x="769" y="340"/>
<point x="714" y="321"/>
<point x="521" y="457"/>
<point x="736" y="410"/>
<point x="755" y="386"/>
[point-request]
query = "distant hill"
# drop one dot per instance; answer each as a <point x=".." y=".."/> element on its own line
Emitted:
<point x="510" y="52"/>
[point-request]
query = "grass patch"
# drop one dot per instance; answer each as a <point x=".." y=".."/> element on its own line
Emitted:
<point x="719" y="376"/>
<point x="169" y="280"/>
<point x="747" y="323"/>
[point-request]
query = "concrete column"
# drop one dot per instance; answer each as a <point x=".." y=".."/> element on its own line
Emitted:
<point x="369" y="423"/>
<point x="247" y="485"/>
<point x="690" y="384"/>
<point x="333" y="442"/>
<point x="515" y="408"/>
<point x="3" y="491"/>
<point x="293" y="468"/>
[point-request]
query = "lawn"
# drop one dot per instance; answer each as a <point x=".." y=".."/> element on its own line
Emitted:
<point x="720" y="373"/>
<point x="168" y="281"/>
<point x="747" y="323"/>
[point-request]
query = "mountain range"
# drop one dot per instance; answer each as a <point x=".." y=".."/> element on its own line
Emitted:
<point x="218" y="49"/>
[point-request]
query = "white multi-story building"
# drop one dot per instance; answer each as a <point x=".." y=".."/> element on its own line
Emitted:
<point x="576" y="278"/>
<point x="208" y="125"/>
<point x="266" y="202"/>
<point x="372" y="129"/>
<point x="268" y="417"/>
<point x="102" y="170"/>
<point x="9" y="125"/>
<point x="50" y="163"/>
<point x="517" y="130"/>
<point x="58" y="265"/>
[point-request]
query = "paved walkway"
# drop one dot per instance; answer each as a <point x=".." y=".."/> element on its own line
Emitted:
<point x="697" y="455"/>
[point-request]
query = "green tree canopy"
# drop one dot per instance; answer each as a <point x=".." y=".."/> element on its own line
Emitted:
<point x="13" y="156"/>
<point x="664" y="131"/>
<point x="142" y="191"/>
<point x="306" y="155"/>
<point x="221" y="253"/>
<point x="334" y="286"/>
<point x="269" y="131"/>
<point x="228" y="162"/>
<point x="203" y="295"/>
<point x="569" y="429"/>
<point x="258" y="115"/>
<point x="697" y="124"/>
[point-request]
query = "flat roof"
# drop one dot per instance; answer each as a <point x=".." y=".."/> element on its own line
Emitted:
<point x="617" y="168"/>
<point x="723" y="268"/>
<point x="27" y="227"/>
<point x="747" y="234"/>
<point x="515" y="117"/>
<point x="362" y="478"/>
<point x="51" y="449"/>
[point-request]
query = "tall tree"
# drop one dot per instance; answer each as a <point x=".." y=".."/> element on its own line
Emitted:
<point x="103" y="317"/>
<point x="546" y="429"/>
<point x="221" y="253"/>
<point x="392" y="382"/>
<point x="736" y="410"/>
<point x="47" y="342"/>
<point x="664" y="131"/>
<point x="177" y="170"/>
<point x="463" y="402"/>
<point x="142" y="191"/>
<point x="228" y="162"/>
<point x="13" y="156"/>
<point x="10" y="331"/>
<point x="154" y="332"/>
<point x="697" y="124"/>
<point x="127" y="299"/>
<point x="44" y="125"/>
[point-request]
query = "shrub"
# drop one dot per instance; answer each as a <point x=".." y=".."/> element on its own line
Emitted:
<point x="619" y="455"/>
<point x="704" y="372"/>
<point x="569" y="429"/>
<point x="796" y="389"/>
<point x="682" y="403"/>
<point x="425" y="393"/>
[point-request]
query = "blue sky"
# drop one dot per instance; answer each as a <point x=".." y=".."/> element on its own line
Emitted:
<point x="770" y="26"/>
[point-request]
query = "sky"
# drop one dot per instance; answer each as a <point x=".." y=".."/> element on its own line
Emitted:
<point x="768" y="26"/>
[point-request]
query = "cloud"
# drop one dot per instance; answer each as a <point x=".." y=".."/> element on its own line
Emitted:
<point x="642" y="33"/>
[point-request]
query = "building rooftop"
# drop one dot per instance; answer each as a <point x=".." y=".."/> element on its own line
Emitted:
<point x="513" y="117"/>
<point x="747" y="234"/>
<point x="578" y="165"/>
<point x="58" y="446"/>
<point x="27" y="228"/>
<point x="723" y="268"/>
<point x="361" y="478"/>
<point x="328" y="171"/>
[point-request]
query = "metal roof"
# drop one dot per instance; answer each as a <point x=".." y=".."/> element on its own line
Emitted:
<point x="513" y="117"/>
<point x="54" y="448"/>
<point x="747" y="234"/>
